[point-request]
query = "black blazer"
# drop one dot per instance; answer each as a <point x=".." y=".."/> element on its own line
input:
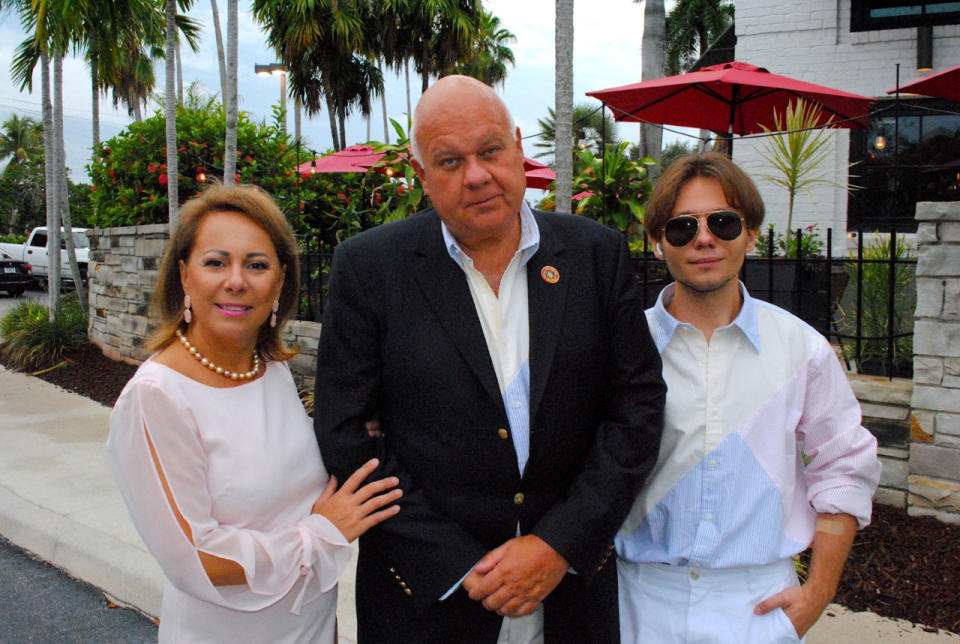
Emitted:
<point x="401" y="341"/>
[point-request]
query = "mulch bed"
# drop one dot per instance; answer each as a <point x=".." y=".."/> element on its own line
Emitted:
<point x="901" y="566"/>
<point x="91" y="374"/>
<point x="905" y="567"/>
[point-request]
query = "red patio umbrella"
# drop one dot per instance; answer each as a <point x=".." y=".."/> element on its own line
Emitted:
<point x="733" y="97"/>
<point x="941" y="85"/>
<point x="539" y="175"/>
<point x="355" y="158"/>
<point x="540" y="178"/>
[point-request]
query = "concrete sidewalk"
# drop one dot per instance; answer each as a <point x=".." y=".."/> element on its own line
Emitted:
<point x="59" y="501"/>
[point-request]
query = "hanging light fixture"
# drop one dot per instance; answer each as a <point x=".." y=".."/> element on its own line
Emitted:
<point x="880" y="142"/>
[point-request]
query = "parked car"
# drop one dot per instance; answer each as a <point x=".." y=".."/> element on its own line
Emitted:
<point x="34" y="252"/>
<point x="15" y="275"/>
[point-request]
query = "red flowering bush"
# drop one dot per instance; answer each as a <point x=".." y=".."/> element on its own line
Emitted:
<point x="129" y="171"/>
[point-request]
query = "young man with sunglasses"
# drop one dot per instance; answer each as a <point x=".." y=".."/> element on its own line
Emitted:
<point x="762" y="452"/>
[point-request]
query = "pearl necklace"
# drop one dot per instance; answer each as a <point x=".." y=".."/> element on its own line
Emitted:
<point x="232" y="375"/>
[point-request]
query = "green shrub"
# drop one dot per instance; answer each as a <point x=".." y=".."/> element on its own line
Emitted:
<point x="618" y="189"/>
<point x="129" y="171"/>
<point x="811" y="245"/>
<point x="13" y="239"/>
<point x="875" y="294"/>
<point x="32" y="340"/>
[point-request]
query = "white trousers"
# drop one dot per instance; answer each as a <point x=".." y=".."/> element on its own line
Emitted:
<point x="664" y="603"/>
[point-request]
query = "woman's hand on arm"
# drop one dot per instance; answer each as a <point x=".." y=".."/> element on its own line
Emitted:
<point x="354" y="509"/>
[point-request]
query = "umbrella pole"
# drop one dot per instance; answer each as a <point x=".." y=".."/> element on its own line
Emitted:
<point x="733" y="115"/>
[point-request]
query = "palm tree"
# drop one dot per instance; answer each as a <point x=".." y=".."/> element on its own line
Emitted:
<point x="653" y="50"/>
<point x="591" y="127"/>
<point x="134" y="80"/>
<point x="221" y="59"/>
<point x="491" y="51"/>
<point x="52" y="28"/>
<point x="170" y="109"/>
<point x="692" y="26"/>
<point x="317" y="42"/>
<point x="442" y="35"/>
<point x="563" y="96"/>
<point x="62" y="194"/>
<point x="230" y="97"/>
<point x="20" y="140"/>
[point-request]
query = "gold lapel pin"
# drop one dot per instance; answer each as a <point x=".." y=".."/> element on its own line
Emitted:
<point x="550" y="275"/>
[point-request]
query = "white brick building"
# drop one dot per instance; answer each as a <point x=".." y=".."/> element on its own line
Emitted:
<point x="813" y="41"/>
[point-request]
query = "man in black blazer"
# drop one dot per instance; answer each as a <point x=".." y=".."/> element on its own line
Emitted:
<point x="506" y="356"/>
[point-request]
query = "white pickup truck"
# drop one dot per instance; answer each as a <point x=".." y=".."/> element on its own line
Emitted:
<point x="35" y="252"/>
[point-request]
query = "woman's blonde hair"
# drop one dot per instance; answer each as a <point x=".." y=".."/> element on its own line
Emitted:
<point x="256" y="205"/>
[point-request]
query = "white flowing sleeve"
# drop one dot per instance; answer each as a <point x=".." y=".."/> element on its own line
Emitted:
<point x="272" y="560"/>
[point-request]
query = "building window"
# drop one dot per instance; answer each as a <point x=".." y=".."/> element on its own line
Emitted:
<point x="910" y="153"/>
<point x="893" y="14"/>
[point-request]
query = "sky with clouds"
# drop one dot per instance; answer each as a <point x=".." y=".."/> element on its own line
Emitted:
<point x="607" y="36"/>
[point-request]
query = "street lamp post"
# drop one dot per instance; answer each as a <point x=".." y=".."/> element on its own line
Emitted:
<point x="276" y="69"/>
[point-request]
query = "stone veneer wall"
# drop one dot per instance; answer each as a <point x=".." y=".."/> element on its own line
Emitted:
<point x="934" y="478"/>
<point x="886" y="413"/>
<point x="123" y="272"/>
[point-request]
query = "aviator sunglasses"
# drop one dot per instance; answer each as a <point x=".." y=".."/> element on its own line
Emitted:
<point x="723" y="224"/>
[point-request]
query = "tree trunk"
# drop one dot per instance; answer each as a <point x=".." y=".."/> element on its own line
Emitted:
<point x="653" y="58"/>
<point x="49" y="166"/>
<point x="563" y="96"/>
<point x="95" y="88"/>
<point x="179" y="70"/>
<point x="137" y="113"/>
<point x="332" y="115"/>
<point x="386" y="122"/>
<point x="221" y="61"/>
<point x="406" y="76"/>
<point x="342" y="118"/>
<point x="63" y="187"/>
<point x="170" y="111"/>
<point x="230" y="145"/>
<point x="296" y="120"/>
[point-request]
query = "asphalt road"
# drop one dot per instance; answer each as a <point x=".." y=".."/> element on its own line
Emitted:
<point x="39" y="603"/>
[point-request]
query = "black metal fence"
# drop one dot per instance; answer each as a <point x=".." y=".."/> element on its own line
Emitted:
<point x="315" y="258"/>
<point x="864" y="303"/>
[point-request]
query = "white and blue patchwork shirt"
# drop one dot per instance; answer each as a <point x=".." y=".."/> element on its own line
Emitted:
<point x="730" y="487"/>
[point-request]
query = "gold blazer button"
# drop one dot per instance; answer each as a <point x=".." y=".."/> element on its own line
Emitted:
<point x="502" y="433"/>
<point x="518" y="498"/>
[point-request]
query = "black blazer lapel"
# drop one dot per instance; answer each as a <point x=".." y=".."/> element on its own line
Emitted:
<point x="546" y="306"/>
<point x="445" y="287"/>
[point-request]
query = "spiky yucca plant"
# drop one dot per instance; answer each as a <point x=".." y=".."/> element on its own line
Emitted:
<point x="31" y="340"/>
<point x="798" y="152"/>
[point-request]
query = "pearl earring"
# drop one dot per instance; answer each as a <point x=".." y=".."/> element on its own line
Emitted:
<point x="273" y="315"/>
<point x="187" y="313"/>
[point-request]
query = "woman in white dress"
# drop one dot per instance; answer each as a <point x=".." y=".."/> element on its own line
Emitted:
<point x="213" y="452"/>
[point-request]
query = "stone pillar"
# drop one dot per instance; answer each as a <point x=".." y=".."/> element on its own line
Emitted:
<point x="123" y="271"/>
<point x="934" y="480"/>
